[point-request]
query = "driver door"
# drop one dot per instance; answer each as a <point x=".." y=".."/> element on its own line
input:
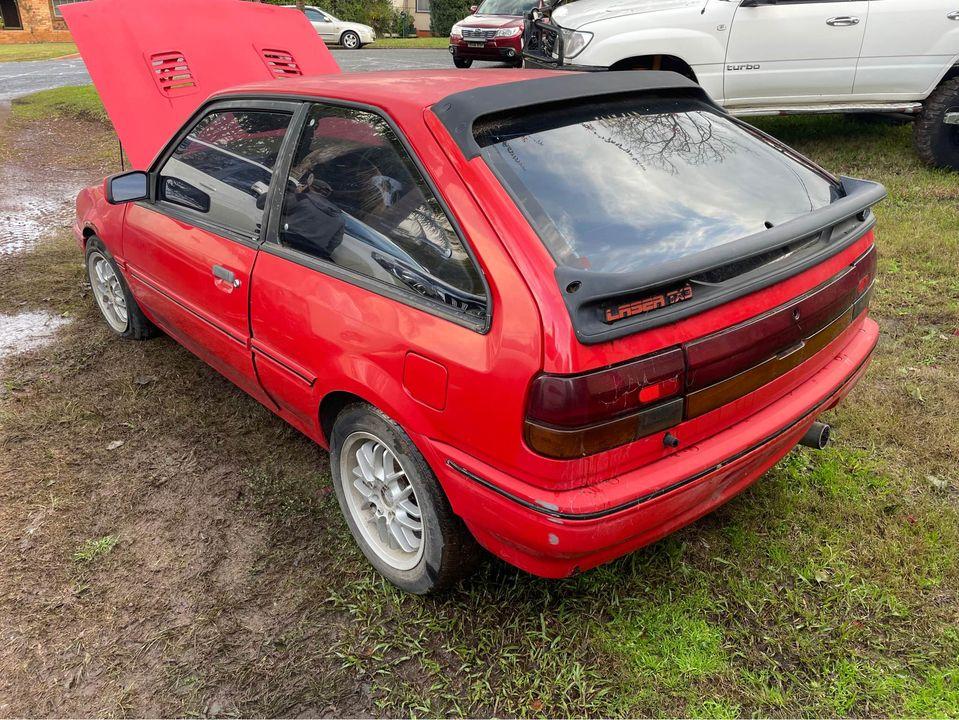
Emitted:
<point x="794" y="51"/>
<point x="190" y="251"/>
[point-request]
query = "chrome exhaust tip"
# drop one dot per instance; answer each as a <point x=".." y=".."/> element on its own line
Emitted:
<point x="817" y="437"/>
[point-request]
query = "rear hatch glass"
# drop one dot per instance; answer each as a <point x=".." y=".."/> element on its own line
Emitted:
<point x="619" y="185"/>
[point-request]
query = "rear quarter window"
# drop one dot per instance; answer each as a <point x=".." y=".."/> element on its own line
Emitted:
<point x="618" y="185"/>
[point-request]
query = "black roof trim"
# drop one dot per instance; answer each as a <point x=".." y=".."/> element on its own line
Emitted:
<point x="459" y="112"/>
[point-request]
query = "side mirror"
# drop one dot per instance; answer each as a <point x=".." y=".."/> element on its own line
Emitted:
<point x="128" y="187"/>
<point x="473" y="9"/>
<point x="179" y="192"/>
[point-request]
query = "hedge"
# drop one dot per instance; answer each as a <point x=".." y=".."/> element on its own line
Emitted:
<point x="446" y="13"/>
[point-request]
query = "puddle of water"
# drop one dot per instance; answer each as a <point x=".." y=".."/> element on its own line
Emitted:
<point x="26" y="215"/>
<point x="27" y="331"/>
<point x="30" y="221"/>
<point x="35" y="199"/>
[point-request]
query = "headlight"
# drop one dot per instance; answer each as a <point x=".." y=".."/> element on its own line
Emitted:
<point x="509" y="32"/>
<point x="457" y="31"/>
<point x="574" y="42"/>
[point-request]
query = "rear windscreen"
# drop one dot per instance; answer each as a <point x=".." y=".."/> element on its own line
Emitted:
<point x="616" y="186"/>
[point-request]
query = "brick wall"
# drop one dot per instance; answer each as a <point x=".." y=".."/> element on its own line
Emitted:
<point x="39" y="24"/>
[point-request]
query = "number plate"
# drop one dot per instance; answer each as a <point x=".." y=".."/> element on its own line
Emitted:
<point x="478" y="43"/>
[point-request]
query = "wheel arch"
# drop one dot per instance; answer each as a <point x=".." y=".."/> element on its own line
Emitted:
<point x="88" y="232"/>
<point x="331" y="406"/>
<point x="951" y="73"/>
<point x="658" y="61"/>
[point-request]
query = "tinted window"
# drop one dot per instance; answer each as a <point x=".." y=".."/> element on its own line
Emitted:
<point x="356" y="199"/>
<point x="506" y="7"/>
<point x="616" y="186"/>
<point x="315" y="15"/>
<point x="223" y="168"/>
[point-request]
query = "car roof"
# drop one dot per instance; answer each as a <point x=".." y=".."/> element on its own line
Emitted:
<point x="395" y="91"/>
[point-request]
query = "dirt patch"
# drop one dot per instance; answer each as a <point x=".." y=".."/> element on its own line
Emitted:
<point x="90" y="459"/>
<point x="42" y="171"/>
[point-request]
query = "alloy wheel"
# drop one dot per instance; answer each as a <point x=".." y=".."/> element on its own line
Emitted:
<point x="108" y="291"/>
<point x="382" y="500"/>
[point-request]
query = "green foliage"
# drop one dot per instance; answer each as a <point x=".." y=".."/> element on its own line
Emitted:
<point x="446" y="13"/>
<point x="90" y="550"/>
<point x="403" y="24"/>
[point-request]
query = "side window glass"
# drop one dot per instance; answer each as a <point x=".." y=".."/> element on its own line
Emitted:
<point x="314" y="15"/>
<point x="354" y="198"/>
<point x="222" y="170"/>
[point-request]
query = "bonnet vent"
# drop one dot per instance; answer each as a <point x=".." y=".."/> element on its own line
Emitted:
<point x="281" y="63"/>
<point x="172" y="74"/>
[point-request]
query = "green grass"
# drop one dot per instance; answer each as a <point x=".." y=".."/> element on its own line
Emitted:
<point x="90" y="550"/>
<point x="417" y="43"/>
<point x="81" y="103"/>
<point x="35" y="51"/>
<point x="830" y="588"/>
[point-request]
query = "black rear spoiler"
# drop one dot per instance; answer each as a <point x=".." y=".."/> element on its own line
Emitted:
<point x="803" y="242"/>
<point x="460" y="111"/>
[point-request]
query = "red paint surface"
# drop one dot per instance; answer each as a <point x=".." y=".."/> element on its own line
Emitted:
<point x="308" y="335"/>
<point x="425" y="380"/>
<point x="222" y="42"/>
<point x="491" y="49"/>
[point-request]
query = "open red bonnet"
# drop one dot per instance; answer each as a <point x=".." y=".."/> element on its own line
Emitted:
<point x="154" y="62"/>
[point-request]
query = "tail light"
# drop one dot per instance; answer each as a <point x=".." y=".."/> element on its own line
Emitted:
<point x="571" y="416"/>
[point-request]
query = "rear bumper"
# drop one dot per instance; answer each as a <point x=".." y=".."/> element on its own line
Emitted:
<point x="556" y="534"/>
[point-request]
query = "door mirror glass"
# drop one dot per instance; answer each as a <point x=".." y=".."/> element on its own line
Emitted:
<point x="474" y="8"/>
<point x="180" y="192"/>
<point x="127" y="187"/>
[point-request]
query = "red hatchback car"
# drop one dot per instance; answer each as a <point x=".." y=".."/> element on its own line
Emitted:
<point x="555" y="315"/>
<point x="494" y="32"/>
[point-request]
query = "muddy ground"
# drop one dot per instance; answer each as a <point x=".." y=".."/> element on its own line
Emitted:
<point x="187" y="572"/>
<point x="168" y="547"/>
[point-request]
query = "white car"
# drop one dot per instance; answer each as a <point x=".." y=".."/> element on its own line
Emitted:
<point x="333" y="31"/>
<point x="763" y="57"/>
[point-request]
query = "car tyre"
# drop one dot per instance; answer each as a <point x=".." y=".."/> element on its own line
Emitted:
<point x="462" y="63"/>
<point x="350" y="40"/>
<point x="112" y="294"/>
<point x="386" y="489"/>
<point x="936" y="142"/>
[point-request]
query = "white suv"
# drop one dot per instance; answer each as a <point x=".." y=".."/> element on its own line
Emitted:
<point x="769" y="57"/>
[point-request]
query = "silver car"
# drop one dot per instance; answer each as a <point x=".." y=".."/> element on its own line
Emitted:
<point x="350" y="35"/>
